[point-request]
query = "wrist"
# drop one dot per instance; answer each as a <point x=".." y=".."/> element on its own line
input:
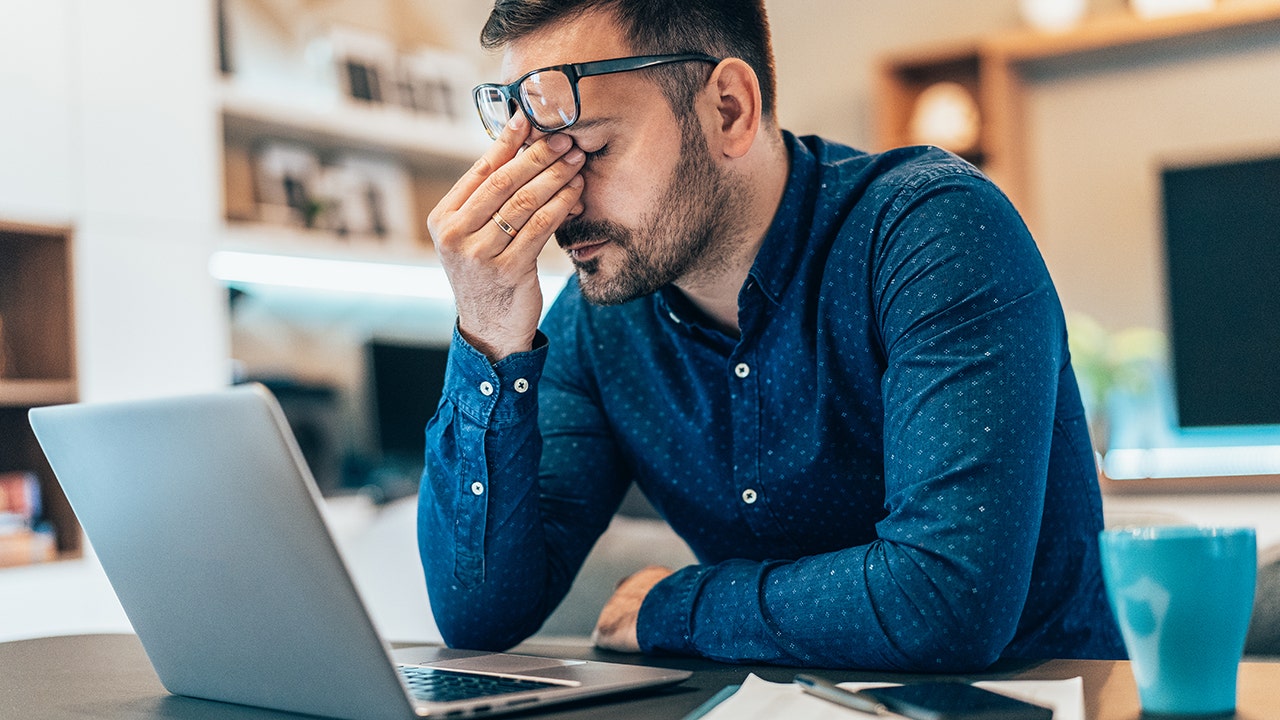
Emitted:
<point x="496" y="349"/>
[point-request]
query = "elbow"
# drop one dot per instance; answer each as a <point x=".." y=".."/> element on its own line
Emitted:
<point x="469" y="622"/>
<point x="951" y="648"/>
<point x="489" y="637"/>
<point x="463" y="640"/>
<point x="949" y="659"/>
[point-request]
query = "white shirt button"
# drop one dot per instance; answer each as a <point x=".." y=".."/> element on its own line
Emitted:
<point x="521" y="385"/>
<point x="477" y="488"/>
<point x="742" y="370"/>
<point x="486" y="388"/>
<point x="749" y="496"/>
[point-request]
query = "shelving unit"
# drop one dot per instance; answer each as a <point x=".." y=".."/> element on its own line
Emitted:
<point x="433" y="152"/>
<point x="37" y="358"/>
<point x="299" y="105"/>
<point x="901" y="79"/>
<point x="995" y="69"/>
<point x="424" y="143"/>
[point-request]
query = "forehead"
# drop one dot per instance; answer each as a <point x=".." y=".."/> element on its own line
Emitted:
<point x="591" y="36"/>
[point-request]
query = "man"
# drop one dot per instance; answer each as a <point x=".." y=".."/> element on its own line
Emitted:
<point x="842" y="378"/>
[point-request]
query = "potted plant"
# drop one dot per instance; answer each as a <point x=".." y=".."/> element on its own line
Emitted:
<point x="1109" y="363"/>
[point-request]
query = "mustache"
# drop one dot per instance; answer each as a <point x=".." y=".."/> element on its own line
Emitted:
<point x="578" y="231"/>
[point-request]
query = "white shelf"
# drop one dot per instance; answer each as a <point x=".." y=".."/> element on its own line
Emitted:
<point x="269" y="239"/>
<point x="338" y="125"/>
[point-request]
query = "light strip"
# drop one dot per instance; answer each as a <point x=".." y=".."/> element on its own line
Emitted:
<point x="352" y="276"/>
<point x="1175" y="462"/>
<point x="329" y="274"/>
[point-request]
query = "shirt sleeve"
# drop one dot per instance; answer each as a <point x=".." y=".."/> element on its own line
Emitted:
<point x="974" y="344"/>
<point x="507" y="512"/>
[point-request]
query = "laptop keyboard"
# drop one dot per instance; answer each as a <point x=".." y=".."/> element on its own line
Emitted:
<point x="435" y="685"/>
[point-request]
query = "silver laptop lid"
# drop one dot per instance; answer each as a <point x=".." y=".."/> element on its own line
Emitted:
<point x="207" y="523"/>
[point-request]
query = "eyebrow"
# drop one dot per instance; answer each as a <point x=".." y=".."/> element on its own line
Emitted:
<point x="589" y="124"/>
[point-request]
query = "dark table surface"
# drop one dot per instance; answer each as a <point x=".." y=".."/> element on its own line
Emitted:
<point x="108" y="676"/>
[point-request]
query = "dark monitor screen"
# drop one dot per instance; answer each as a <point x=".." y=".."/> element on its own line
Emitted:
<point x="1222" y="233"/>
<point x="406" y="383"/>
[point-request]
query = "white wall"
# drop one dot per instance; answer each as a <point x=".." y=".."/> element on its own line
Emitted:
<point x="151" y="319"/>
<point x="36" y="150"/>
<point x="109" y="127"/>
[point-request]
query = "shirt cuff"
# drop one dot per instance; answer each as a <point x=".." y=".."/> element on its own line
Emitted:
<point x="665" y="622"/>
<point x="494" y="394"/>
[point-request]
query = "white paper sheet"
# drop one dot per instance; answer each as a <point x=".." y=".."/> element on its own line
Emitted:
<point x="764" y="700"/>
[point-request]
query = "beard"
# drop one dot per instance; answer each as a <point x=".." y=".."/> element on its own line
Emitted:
<point x="687" y="231"/>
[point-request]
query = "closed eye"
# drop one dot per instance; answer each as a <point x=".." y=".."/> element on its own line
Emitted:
<point x="597" y="154"/>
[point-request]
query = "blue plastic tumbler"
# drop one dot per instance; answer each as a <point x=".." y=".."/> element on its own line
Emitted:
<point x="1183" y="597"/>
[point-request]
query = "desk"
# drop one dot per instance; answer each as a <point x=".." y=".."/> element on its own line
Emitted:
<point x="108" y="676"/>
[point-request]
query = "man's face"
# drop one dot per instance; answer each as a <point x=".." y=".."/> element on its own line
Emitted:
<point x="653" y="195"/>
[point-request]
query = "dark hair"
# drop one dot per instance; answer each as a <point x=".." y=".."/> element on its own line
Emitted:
<point x="722" y="28"/>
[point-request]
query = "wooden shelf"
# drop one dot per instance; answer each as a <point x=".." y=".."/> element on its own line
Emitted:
<point x="39" y="366"/>
<point x="995" y="69"/>
<point x="1125" y="30"/>
<point x="33" y="393"/>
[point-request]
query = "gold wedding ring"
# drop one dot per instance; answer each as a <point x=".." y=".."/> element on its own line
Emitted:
<point x="506" y="226"/>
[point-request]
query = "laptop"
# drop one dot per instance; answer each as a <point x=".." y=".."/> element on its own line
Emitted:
<point x="209" y="527"/>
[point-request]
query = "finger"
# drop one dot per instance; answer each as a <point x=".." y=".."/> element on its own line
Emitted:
<point x="524" y="184"/>
<point x="526" y="204"/>
<point x="506" y="147"/>
<point x="527" y="207"/>
<point x="543" y="223"/>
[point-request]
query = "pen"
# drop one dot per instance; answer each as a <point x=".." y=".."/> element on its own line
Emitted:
<point x="829" y="691"/>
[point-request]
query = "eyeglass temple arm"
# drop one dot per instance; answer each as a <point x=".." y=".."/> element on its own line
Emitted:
<point x="605" y="67"/>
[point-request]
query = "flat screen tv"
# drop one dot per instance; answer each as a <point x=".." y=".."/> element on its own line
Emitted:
<point x="406" y="382"/>
<point x="1222" y="250"/>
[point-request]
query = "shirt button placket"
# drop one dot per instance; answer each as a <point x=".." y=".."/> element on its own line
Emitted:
<point x="746" y="442"/>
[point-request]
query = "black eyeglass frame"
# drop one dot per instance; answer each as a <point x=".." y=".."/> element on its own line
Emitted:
<point x="575" y="72"/>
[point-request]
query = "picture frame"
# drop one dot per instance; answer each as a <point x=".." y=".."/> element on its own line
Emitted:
<point x="286" y="174"/>
<point x="436" y="83"/>
<point x="365" y="64"/>
<point x="368" y="199"/>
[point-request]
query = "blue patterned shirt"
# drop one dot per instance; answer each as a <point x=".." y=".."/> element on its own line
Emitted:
<point x="889" y="469"/>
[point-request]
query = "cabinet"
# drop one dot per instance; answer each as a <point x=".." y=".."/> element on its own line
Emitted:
<point x="37" y="367"/>
<point x="998" y="70"/>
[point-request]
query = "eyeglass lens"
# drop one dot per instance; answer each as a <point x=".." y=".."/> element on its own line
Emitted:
<point x="547" y="97"/>
<point x="495" y="109"/>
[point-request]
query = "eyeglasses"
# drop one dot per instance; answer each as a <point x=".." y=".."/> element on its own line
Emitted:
<point x="549" y="96"/>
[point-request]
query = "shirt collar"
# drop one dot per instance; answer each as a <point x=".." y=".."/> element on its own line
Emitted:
<point x="780" y="253"/>
<point x="782" y="250"/>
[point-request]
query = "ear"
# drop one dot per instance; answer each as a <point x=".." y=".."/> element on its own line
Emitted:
<point x="737" y="107"/>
